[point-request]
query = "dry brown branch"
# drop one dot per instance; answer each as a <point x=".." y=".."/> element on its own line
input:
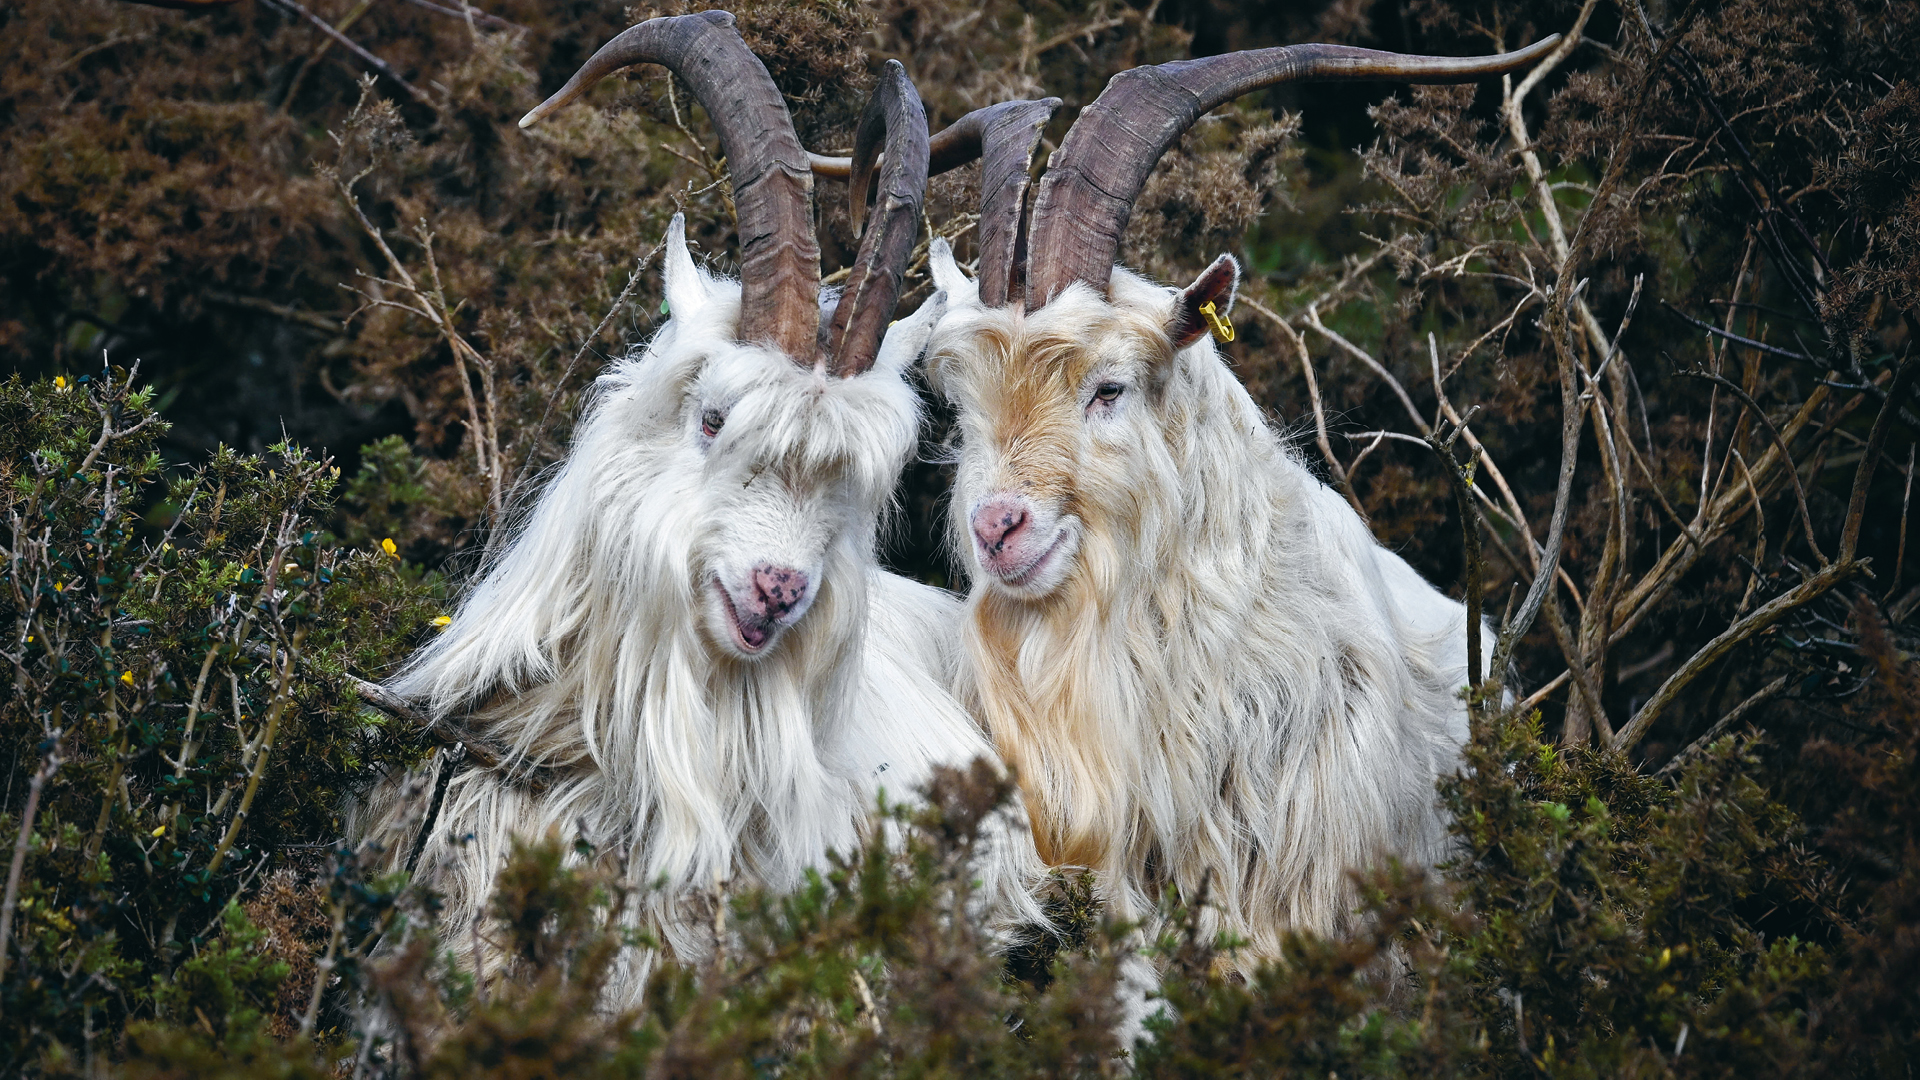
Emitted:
<point x="1724" y="724"/>
<point x="469" y="12"/>
<point x="1366" y="358"/>
<point x="1876" y="441"/>
<point x="431" y="305"/>
<point x="261" y="751"/>
<point x="1299" y="345"/>
<point x="1754" y="409"/>
<point x="320" y="51"/>
<point x="293" y="7"/>
<point x="1773" y="611"/>
<point x="50" y="762"/>
<point x="1906" y="500"/>
<point x="294" y="315"/>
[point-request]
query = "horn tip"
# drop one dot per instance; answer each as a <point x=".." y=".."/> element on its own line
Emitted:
<point x="532" y="118"/>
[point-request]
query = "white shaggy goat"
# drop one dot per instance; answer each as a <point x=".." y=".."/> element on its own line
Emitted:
<point x="1205" y="670"/>
<point x="690" y="633"/>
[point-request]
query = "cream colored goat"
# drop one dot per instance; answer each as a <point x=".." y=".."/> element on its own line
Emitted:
<point x="1208" y="674"/>
<point x="1205" y="670"/>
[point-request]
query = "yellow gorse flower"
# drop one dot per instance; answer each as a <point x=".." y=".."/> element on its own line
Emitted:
<point x="443" y="621"/>
<point x="127" y="677"/>
<point x="390" y="547"/>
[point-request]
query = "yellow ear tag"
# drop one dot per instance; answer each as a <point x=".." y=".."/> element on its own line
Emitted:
<point x="1222" y="329"/>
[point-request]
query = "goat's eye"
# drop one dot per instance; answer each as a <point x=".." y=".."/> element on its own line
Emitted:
<point x="711" y="421"/>
<point x="1108" y="392"/>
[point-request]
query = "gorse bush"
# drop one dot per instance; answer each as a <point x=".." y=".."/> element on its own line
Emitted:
<point x="178" y="714"/>
<point x="1691" y="852"/>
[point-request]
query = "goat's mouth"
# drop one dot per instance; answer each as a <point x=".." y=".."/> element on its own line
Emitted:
<point x="750" y="635"/>
<point x="1024" y="577"/>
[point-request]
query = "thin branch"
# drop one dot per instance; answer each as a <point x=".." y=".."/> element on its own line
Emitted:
<point x="633" y="281"/>
<point x="1769" y="613"/>
<point x="293" y="7"/>
<point x="1906" y="499"/>
<point x="1341" y="478"/>
<point x="1313" y="320"/>
<point x="1745" y="341"/>
<point x="295" y="315"/>
<point x="447" y="732"/>
<point x="1724" y="724"/>
<point x="468" y="11"/>
<point x="1877" y="439"/>
<point x="281" y="699"/>
<point x="1800" y="493"/>
<point x="50" y="764"/>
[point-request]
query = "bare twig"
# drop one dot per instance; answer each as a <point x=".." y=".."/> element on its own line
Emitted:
<point x="1773" y="611"/>
<point x="50" y="764"/>
<point x="633" y="281"/>
<point x="341" y="27"/>
<point x="1724" y="724"/>
<point x="469" y="12"/>
<point x="1355" y="351"/>
<point x="1753" y="407"/>
<point x="281" y="699"/>
<point x="448" y="732"/>
<point x="324" y="970"/>
<point x="432" y="306"/>
<point x="1876" y="440"/>
<point x="1299" y="344"/>
<point x="1460" y="479"/>
<point x="1739" y="340"/>
<point x="305" y="318"/>
<point x="1906" y="499"/>
<point x="293" y="7"/>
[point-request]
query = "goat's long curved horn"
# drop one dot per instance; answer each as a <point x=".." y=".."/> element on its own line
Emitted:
<point x="1094" y="177"/>
<point x="1005" y="134"/>
<point x="772" y="185"/>
<point x="1004" y="137"/>
<point x="851" y="340"/>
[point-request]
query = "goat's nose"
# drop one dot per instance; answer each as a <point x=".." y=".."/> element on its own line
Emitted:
<point x="996" y="522"/>
<point x="777" y="589"/>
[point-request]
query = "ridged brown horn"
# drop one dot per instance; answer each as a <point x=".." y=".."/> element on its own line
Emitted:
<point x="851" y="340"/>
<point x="1094" y="177"/>
<point x="772" y="184"/>
<point x="1005" y="135"/>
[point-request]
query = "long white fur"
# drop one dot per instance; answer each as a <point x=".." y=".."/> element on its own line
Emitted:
<point x="1232" y="685"/>
<point x="595" y="645"/>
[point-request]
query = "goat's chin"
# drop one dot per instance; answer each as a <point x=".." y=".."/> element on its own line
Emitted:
<point x="1040" y="576"/>
<point x="742" y="637"/>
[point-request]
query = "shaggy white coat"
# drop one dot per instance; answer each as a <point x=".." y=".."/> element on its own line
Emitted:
<point x="1218" y="678"/>
<point x="597" y="643"/>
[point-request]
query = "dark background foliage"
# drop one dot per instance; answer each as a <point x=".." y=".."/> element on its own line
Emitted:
<point x="365" y="311"/>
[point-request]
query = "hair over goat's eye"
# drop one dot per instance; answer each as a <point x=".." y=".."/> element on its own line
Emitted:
<point x="1108" y="392"/>
<point x="711" y="421"/>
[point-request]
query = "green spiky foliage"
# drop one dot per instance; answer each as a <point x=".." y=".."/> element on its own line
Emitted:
<point x="179" y="650"/>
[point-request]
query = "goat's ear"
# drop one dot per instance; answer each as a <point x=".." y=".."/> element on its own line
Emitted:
<point x="947" y="275"/>
<point x="1216" y="286"/>
<point x="907" y="339"/>
<point x="686" y="283"/>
